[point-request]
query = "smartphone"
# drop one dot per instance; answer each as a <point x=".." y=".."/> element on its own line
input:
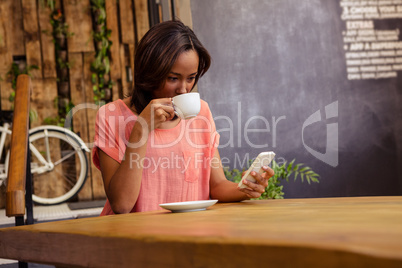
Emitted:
<point x="263" y="159"/>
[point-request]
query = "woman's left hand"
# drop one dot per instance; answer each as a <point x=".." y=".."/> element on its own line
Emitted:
<point x="255" y="189"/>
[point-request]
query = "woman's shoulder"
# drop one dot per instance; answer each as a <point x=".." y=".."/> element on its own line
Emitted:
<point x="117" y="107"/>
<point x="205" y="110"/>
<point x="204" y="106"/>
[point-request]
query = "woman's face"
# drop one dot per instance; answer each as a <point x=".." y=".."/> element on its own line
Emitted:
<point x="181" y="77"/>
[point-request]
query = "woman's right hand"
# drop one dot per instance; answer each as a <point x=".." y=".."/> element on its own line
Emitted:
<point x="157" y="112"/>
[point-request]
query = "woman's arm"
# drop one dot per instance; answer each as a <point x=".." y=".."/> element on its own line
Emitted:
<point x="227" y="191"/>
<point x="122" y="181"/>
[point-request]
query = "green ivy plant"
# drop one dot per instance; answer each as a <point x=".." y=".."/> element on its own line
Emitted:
<point x="14" y="72"/>
<point x="59" y="120"/>
<point x="12" y="75"/>
<point x="274" y="189"/>
<point x="63" y="64"/>
<point x="59" y="33"/>
<point x="49" y="3"/>
<point x="100" y="68"/>
<point x="59" y="26"/>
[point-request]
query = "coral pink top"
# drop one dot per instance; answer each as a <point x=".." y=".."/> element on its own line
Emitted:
<point x="177" y="161"/>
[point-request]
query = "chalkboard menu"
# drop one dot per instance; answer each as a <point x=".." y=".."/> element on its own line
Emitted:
<point x="318" y="81"/>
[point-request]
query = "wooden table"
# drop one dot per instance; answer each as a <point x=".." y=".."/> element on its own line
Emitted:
<point x="324" y="232"/>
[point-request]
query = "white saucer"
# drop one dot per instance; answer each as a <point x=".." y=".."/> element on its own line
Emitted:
<point x="188" y="206"/>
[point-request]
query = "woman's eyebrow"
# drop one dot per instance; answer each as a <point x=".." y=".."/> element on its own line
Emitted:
<point x="181" y="74"/>
<point x="175" y="73"/>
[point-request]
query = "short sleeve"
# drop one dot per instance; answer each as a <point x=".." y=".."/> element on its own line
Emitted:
<point x="106" y="137"/>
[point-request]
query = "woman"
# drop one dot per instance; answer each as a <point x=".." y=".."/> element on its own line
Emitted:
<point x="147" y="155"/>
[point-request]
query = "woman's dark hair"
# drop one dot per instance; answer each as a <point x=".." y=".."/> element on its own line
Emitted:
<point x="156" y="54"/>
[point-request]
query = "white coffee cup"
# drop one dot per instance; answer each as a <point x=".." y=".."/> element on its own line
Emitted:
<point x="187" y="105"/>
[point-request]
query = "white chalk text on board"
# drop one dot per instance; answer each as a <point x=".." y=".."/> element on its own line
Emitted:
<point x="371" y="53"/>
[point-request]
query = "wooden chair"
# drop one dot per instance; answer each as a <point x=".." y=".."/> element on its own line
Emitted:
<point x="19" y="181"/>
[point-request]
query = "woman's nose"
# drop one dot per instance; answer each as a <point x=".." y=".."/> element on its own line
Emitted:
<point x="184" y="88"/>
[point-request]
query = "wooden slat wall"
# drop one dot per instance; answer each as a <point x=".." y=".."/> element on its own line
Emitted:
<point x="127" y="21"/>
<point x="78" y="18"/>
<point x="32" y="41"/>
<point x="112" y="23"/>
<point x="42" y="99"/>
<point x="25" y="32"/>
<point x="141" y="15"/>
<point x="18" y="44"/>
<point x="47" y="44"/>
<point x="96" y="182"/>
<point x="80" y="119"/>
<point x="183" y="9"/>
<point x="6" y="50"/>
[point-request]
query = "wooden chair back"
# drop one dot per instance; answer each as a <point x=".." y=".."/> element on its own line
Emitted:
<point x="15" y="193"/>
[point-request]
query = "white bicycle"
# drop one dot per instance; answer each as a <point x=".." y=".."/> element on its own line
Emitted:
<point x="59" y="164"/>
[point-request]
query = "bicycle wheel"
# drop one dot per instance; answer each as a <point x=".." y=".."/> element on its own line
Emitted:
<point x="58" y="166"/>
<point x="5" y="140"/>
